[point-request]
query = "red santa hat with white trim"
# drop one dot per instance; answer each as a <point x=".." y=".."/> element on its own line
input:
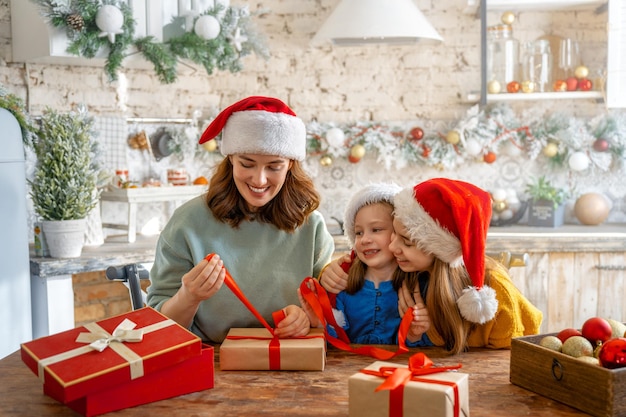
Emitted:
<point x="259" y="125"/>
<point x="450" y="219"/>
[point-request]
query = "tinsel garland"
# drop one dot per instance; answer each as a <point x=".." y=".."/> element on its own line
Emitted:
<point x="237" y="38"/>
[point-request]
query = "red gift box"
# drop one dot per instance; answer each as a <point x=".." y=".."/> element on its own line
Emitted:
<point x="192" y="375"/>
<point x="71" y="368"/>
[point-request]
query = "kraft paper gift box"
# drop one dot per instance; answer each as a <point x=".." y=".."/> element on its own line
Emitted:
<point x="419" y="399"/>
<point x="70" y="368"/>
<point x="254" y="349"/>
<point x="191" y="375"/>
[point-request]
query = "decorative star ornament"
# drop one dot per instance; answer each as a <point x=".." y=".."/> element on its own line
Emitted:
<point x="238" y="39"/>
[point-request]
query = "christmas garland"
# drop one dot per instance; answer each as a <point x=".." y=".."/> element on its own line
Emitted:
<point x="561" y="140"/>
<point x="215" y="39"/>
<point x="16" y="107"/>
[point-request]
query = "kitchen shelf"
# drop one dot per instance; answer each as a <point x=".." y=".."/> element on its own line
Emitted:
<point x="536" y="5"/>
<point x="569" y="95"/>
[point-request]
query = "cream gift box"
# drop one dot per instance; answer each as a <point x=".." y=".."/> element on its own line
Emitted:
<point x="430" y="395"/>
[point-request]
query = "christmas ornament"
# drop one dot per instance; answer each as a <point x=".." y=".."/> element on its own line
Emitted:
<point x="76" y="21"/>
<point x="577" y="346"/>
<point x="508" y="18"/>
<point x="601" y="145"/>
<point x="592" y="209"/>
<point x="238" y="39"/>
<point x="513" y="87"/>
<point x="110" y="21"/>
<point x="550" y="150"/>
<point x="354" y="159"/>
<point x="619" y="328"/>
<point x="571" y="84"/>
<point x="612" y="354"/>
<point x="210" y="146"/>
<point x="581" y="72"/>
<point x="472" y="147"/>
<point x="335" y="137"/>
<point x="453" y="137"/>
<point x="584" y="84"/>
<point x="425" y="152"/>
<point x="528" y="86"/>
<point x="207" y="27"/>
<point x="565" y="334"/>
<point x="560" y="85"/>
<point x="499" y="194"/>
<point x="357" y="151"/>
<point x="596" y="330"/>
<point x="417" y="133"/>
<point x="326" y="161"/>
<point x="551" y="342"/>
<point x="578" y="161"/>
<point x="490" y="157"/>
<point x="494" y="87"/>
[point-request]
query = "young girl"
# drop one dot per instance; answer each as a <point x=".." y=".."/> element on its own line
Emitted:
<point x="440" y="230"/>
<point x="368" y="308"/>
<point x="259" y="217"/>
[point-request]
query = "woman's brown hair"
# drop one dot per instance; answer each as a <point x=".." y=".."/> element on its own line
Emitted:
<point x="291" y="207"/>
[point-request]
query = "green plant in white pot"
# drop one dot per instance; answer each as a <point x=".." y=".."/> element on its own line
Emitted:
<point x="63" y="188"/>
<point x="546" y="203"/>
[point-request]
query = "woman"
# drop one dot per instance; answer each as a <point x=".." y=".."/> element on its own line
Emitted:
<point x="259" y="217"/>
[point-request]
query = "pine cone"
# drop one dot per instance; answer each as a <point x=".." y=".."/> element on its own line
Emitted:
<point x="75" y="21"/>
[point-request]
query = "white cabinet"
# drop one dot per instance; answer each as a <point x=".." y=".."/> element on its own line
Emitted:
<point x="615" y="10"/>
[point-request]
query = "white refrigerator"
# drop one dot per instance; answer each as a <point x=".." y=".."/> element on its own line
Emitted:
<point x="15" y="302"/>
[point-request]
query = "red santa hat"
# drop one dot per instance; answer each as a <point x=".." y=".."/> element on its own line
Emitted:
<point x="370" y="194"/>
<point x="259" y="125"/>
<point x="450" y="219"/>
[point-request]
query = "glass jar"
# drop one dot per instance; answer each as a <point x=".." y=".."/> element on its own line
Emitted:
<point x="537" y="67"/>
<point x="502" y="55"/>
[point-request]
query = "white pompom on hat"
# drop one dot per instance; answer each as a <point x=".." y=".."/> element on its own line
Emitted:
<point x="450" y="219"/>
<point x="259" y="125"/>
<point x="370" y="194"/>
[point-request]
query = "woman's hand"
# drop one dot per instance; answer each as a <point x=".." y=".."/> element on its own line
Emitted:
<point x="295" y="324"/>
<point x="334" y="279"/>
<point x="315" y="322"/>
<point x="203" y="281"/>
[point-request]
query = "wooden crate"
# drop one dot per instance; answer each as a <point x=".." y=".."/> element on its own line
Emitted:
<point x="590" y="388"/>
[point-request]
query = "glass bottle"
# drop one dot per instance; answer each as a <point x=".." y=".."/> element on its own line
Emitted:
<point x="537" y="66"/>
<point x="502" y="55"/>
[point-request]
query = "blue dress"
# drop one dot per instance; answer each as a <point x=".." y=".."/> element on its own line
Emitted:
<point x="372" y="315"/>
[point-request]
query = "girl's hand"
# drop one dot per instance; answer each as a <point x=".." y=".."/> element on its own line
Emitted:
<point x="420" y="323"/>
<point x="315" y="322"/>
<point x="334" y="279"/>
<point x="295" y="324"/>
<point x="203" y="281"/>
<point x="406" y="298"/>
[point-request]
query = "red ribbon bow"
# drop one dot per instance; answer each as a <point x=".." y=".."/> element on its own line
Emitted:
<point x="397" y="378"/>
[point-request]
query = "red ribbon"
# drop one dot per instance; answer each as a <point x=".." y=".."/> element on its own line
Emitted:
<point x="397" y="378"/>
<point x="320" y="303"/>
<point x="277" y="316"/>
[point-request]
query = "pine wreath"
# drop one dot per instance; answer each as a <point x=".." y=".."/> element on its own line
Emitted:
<point x="237" y="38"/>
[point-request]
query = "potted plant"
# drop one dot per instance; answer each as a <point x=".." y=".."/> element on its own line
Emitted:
<point x="63" y="188"/>
<point x="546" y="203"/>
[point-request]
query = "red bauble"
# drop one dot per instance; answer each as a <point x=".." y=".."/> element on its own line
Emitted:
<point x="416" y="133"/>
<point x="353" y="159"/>
<point x="613" y="353"/>
<point x="560" y="85"/>
<point x="571" y="83"/>
<point x="601" y="145"/>
<point x="596" y="330"/>
<point x="567" y="333"/>
<point x="513" y="87"/>
<point x="426" y="152"/>
<point x="490" y="157"/>
<point x="584" y="84"/>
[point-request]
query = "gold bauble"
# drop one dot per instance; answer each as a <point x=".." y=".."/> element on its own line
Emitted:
<point x="592" y="209"/>
<point x="326" y="160"/>
<point x="499" y="206"/>
<point x="357" y="151"/>
<point x="528" y="86"/>
<point x="550" y="150"/>
<point x="508" y="18"/>
<point x="581" y="71"/>
<point x="494" y="87"/>
<point x="210" y="146"/>
<point x="453" y="137"/>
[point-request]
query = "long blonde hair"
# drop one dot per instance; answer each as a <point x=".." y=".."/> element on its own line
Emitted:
<point x="291" y="207"/>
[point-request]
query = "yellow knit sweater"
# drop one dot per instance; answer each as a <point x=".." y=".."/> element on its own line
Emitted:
<point x="515" y="317"/>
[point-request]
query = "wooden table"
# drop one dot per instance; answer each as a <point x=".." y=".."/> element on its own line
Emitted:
<point x="254" y="393"/>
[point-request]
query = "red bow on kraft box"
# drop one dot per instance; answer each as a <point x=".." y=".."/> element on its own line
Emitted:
<point x="441" y="393"/>
<point x="259" y="349"/>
